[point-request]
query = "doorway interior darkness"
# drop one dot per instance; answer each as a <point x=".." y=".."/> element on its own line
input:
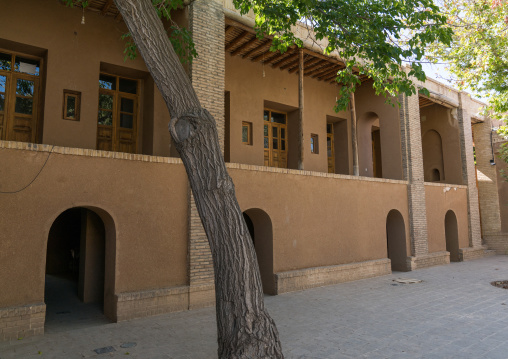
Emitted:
<point x="75" y="268"/>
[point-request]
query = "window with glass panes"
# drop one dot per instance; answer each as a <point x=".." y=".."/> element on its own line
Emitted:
<point x="117" y="116"/>
<point x="19" y="96"/>
<point x="275" y="140"/>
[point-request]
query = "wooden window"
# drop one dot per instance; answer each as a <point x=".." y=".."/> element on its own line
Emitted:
<point x="314" y="143"/>
<point x="274" y="138"/>
<point x="71" y="105"/>
<point x="19" y="96"/>
<point x="118" y="113"/>
<point x="247" y="133"/>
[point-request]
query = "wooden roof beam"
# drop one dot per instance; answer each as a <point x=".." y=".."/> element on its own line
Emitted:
<point x="106" y="7"/>
<point x="309" y="65"/>
<point x="288" y="58"/>
<point x="229" y="29"/>
<point x="237" y="39"/>
<point x="324" y="74"/>
<point x="262" y="47"/>
<point x="244" y="46"/>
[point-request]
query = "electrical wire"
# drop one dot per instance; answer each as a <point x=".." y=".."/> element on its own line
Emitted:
<point x="33" y="180"/>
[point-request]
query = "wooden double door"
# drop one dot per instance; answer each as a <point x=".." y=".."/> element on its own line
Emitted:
<point x="275" y="139"/>
<point x="19" y="97"/>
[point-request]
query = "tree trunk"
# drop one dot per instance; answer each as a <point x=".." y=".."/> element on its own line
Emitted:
<point x="244" y="328"/>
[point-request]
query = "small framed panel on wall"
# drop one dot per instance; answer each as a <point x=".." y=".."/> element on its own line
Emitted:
<point x="71" y="105"/>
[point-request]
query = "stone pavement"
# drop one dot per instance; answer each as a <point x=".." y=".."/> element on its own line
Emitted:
<point x="453" y="313"/>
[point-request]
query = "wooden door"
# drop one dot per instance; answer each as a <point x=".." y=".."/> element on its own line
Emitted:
<point x="330" y="150"/>
<point x="117" y="118"/>
<point x="275" y="139"/>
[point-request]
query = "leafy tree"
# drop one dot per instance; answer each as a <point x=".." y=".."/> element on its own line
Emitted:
<point x="375" y="38"/>
<point x="477" y="56"/>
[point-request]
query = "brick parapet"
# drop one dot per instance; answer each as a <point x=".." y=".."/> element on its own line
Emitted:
<point x="22" y="321"/>
<point x="487" y="179"/>
<point x="469" y="171"/>
<point x="412" y="166"/>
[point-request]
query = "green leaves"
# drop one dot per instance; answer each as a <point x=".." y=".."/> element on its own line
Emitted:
<point x="374" y="38"/>
<point x="478" y="52"/>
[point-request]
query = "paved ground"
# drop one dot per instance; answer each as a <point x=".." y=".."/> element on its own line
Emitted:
<point x="453" y="313"/>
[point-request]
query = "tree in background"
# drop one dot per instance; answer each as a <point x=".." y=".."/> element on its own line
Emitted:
<point x="374" y="38"/>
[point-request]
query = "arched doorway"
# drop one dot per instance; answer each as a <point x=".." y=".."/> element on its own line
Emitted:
<point x="78" y="279"/>
<point x="396" y="240"/>
<point x="452" y="236"/>
<point x="260" y="228"/>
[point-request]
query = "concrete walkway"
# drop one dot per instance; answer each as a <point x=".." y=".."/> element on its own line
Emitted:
<point x="453" y="313"/>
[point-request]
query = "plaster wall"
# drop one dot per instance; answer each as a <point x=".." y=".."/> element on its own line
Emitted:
<point x="444" y="121"/>
<point x="439" y="199"/>
<point x="340" y="220"/>
<point x="73" y="60"/>
<point x="369" y="109"/>
<point x="143" y="205"/>
<point x="251" y="92"/>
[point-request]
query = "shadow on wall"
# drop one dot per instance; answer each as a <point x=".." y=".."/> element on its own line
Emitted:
<point x="369" y="145"/>
<point x="433" y="164"/>
<point x="260" y="228"/>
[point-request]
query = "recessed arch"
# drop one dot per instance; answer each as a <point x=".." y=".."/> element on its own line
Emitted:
<point x="452" y="236"/>
<point x="369" y="145"/>
<point x="80" y="254"/>
<point x="433" y="163"/>
<point x="260" y="228"/>
<point x="396" y="240"/>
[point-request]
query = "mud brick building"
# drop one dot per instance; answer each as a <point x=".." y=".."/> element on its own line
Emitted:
<point x="91" y="189"/>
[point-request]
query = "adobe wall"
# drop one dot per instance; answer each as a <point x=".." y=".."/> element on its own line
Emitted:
<point x="142" y="203"/>
<point x="248" y="92"/>
<point x="502" y="187"/>
<point x="369" y="105"/>
<point x="341" y="219"/>
<point x="439" y="199"/>
<point x="73" y="61"/>
<point x="444" y="121"/>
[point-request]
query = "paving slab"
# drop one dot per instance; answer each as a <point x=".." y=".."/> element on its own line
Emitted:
<point x="453" y="313"/>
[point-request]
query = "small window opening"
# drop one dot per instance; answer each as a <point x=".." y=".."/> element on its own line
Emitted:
<point x="314" y="143"/>
<point x="247" y="133"/>
<point x="436" y="176"/>
<point x="71" y="105"/>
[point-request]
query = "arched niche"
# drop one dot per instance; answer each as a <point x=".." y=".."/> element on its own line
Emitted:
<point x="452" y="236"/>
<point x="433" y="164"/>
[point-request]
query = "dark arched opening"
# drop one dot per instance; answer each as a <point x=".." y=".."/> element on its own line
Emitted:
<point x="435" y="176"/>
<point x="452" y="236"/>
<point x="433" y="164"/>
<point x="260" y="228"/>
<point x="396" y="240"/>
<point x="78" y="284"/>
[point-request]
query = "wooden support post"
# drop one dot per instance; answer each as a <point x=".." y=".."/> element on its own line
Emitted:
<point x="354" y="136"/>
<point x="300" y="109"/>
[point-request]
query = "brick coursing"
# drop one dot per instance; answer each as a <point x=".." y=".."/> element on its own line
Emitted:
<point x="487" y="180"/>
<point x="412" y="167"/>
<point x="21" y="322"/>
<point x="428" y="260"/>
<point x="468" y="171"/>
<point x="206" y="21"/>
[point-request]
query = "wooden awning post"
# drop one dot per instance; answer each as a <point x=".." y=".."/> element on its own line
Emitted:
<point x="300" y="109"/>
<point x="354" y="136"/>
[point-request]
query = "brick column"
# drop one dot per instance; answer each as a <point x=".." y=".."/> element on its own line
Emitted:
<point x="206" y="21"/>
<point x="469" y="171"/>
<point x="487" y="184"/>
<point x="412" y="167"/>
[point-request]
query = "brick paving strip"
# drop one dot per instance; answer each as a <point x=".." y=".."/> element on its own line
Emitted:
<point x="453" y="313"/>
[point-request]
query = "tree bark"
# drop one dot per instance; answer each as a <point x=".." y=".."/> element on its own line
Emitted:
<point x="244" y="327"/>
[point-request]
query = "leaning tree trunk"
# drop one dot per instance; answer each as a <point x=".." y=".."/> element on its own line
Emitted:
<point x="244" y="328"/>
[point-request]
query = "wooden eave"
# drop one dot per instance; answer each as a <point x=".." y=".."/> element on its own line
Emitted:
<point x="103" y="7"/>
<point x="241" y="40"/>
